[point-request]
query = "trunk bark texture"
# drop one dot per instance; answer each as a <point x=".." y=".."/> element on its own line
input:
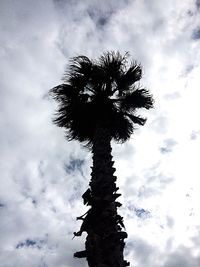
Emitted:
<point x="105" y="239"/>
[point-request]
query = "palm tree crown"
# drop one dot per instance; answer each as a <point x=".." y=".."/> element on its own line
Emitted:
<point x="101" y="93"/>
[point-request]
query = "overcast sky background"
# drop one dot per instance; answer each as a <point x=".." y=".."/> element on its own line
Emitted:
<point x="43" y="176"/>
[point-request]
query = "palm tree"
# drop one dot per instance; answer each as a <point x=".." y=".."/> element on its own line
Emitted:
<point x="97" y="103"/>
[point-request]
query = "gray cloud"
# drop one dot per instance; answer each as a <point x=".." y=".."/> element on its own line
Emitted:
<point x="172" y="96"/>
<point x="197" y="3"/>
<point x="196" y="34"/>
<point x="170" y="222"/>
<point x="160" y="124"/>
<point x="140" y="247"/>
<point x="182" y="257"/>
<point x="168" y="145"/>
<point x="194" y="135"/>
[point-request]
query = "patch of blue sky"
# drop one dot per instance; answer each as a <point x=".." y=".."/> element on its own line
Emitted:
<point x="142" y="213"/>
<point x="74" y="165"/>
<point x="31" y="243"/>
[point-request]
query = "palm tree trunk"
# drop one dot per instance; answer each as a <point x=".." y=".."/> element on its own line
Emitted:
<point x="105" y="240"/>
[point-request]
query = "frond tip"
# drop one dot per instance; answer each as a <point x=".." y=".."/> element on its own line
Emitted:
<point x="138" y="98"/>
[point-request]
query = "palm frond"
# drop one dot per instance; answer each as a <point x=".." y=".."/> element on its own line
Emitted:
<point x="80" y="65"/>
<point x="113" y="64"/>
<point x="129" y="77"/>
<point x="79" y="72"/>
<point x="62" y="92"/>
<point x="121" y="127"/>
<point x="136" y="119"/>
<point x="139" y="98"/>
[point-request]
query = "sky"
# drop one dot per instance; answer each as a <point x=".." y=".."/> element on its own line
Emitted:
<point x="43" y="175"/>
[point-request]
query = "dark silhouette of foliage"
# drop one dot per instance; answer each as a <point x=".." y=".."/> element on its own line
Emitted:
<point x="98" y="102"/>
<point x="101" y="92"/>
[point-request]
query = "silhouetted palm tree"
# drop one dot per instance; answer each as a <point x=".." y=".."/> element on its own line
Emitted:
<point x="97" y="103"/>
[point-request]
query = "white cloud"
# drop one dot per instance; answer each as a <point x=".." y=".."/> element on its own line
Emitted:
<point x="39" y="197"/>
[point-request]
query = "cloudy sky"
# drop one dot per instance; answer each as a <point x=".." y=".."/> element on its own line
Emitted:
<point x="43" y="176"/>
